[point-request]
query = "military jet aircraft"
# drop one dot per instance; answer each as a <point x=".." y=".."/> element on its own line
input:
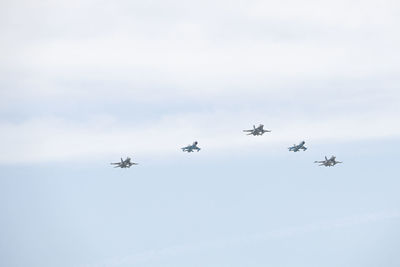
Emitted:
<point x="328" y="162"/>
<point x="190" y="148"/>
<point x="257" y="131"/>
<point x="124" y="163"/>
<point x="296" y="148"/>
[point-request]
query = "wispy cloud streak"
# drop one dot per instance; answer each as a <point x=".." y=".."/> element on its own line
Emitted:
<point x="243" y="240"/>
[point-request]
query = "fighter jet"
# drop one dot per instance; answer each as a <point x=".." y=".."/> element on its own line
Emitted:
<point x="296" y="148"/>
<point x="257" y="131"/>
<point x="190" y="148"/>
<point x="124" y="163"/>
<point x="328" y="162"/>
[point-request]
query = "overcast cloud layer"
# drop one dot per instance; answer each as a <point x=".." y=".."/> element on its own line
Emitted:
<point x="81" y="78"/>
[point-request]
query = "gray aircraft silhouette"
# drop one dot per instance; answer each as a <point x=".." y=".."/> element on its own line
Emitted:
<point x="190" y="148"/>
<point x="257" y="131"/>
<point x="124" y="163"/>
<point x="328" y="162"/>
<point x="296" y="148"/>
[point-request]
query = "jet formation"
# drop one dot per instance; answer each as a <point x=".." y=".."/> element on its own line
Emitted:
<point x="124" y="163"/>
<point x="328" y="162"/>
<point x="255" y="132"/>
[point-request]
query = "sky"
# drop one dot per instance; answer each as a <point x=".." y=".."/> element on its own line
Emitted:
<point x="84" y="83"/>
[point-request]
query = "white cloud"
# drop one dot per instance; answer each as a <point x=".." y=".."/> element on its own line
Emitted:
<point x="213" y="46"/>
<point x="329" y="66"/>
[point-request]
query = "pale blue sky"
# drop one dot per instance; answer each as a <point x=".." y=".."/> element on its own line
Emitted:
<point x="84" y="83"/>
